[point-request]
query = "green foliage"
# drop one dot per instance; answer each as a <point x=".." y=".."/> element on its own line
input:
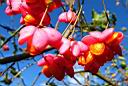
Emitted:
<point x="101" y="21"/>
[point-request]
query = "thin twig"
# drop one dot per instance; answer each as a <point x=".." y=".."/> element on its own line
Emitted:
<point x="105" y="79"/>
<point x="42" y="19"/>
<point x="68" y="34"/>
<point x="106" y="12"/>
<point x="65" y="31"/>
<point x="6" y="28"/>
<point x="49" y="80"/>
<point x="57" y="25"/>
<point x="77" y="81"/>
<point x="35" y="80"/>
<point x="23" y="69"/>
<point x="7" y="69"/>
<point x="63" y="8"/>
<point x="12" y="36"/>
<point x="65" y="83"/>
<point x="100" y="76"/>
<point x="2" y="55"/>
<point x="34" y="59"/>
<point x="22" y="80"/>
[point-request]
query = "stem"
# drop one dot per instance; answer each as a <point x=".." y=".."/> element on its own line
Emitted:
<point x="106" y="13"/>
<point x="77" y="81"/>
<point x="63" y="8"/>
<point x="42" y="19"/>
<point x="7" y="28"/>
<point x="68" y="33"/>
<point x="7" y="69"/>
<point x="65" y="83"/>
<point x="73" y="31"/>
<point x="65" y="31"/>
<point x="57" y="25"/>
<point x="22" y="80"/>
<point x="47" y="83"/>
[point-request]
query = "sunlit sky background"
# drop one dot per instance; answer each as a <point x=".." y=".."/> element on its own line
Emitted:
<point x="122" y="21"/>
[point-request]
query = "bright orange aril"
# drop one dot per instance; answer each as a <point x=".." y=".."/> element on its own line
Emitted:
<point x="89" y="58"/>
<point x="97" y="48"/>
<point x="112" y="38"/>
<point x="46" y="71"/>
<point x="81" y="60"/>
<point x="29" y="19"/>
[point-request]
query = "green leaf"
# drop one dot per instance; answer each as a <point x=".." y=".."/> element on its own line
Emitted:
<point x="99" y="20"/>
<point x="94" y="14"/>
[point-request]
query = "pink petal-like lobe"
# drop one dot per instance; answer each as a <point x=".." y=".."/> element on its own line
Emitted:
<point x="54" y="37"/>
<point x="26" y="33"/>
<point x="82" y="46"/>
<point x="40" y="39"/>
<point x="65" y="46"/>
<point x="75" y="49"/>
<point x="88" y="40"/>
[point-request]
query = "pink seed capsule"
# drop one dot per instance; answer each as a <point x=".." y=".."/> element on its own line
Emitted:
<point x="67" y="17"/>
<point x="5" y="47"/>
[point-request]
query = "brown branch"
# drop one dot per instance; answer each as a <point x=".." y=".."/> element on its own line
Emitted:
<point x="106" y="79"/>
<point x="19" y="57"/>
<point x="14" y="58"/>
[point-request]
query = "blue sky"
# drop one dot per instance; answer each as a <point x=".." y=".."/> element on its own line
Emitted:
<point x="122" y="20"/>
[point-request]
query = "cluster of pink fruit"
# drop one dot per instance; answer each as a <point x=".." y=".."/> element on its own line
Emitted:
<point x="91" y="52"/>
